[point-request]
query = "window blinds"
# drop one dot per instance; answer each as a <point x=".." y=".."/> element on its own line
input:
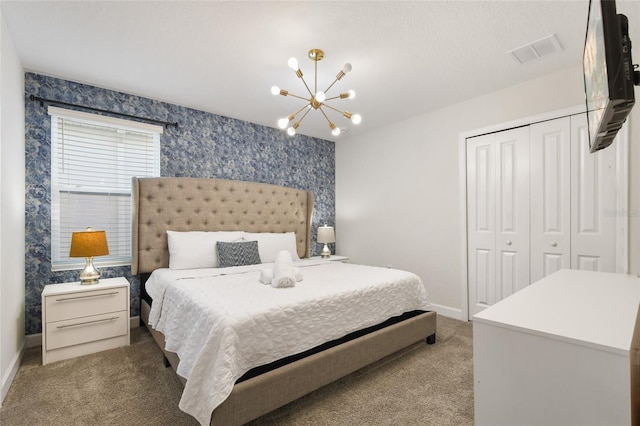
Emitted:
<point x="93" y="159"/>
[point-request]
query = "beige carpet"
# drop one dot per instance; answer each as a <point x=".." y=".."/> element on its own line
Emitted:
<point x="421" y="385"/>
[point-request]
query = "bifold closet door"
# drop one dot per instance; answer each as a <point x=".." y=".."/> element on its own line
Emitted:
<point x="550" y="197"/>
<point x="593" y="202"/>
<point x="498" y="216"/>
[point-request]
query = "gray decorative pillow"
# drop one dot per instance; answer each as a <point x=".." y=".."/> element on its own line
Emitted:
<point x="238" y="253"/>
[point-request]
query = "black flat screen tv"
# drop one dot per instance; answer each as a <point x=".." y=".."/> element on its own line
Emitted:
<point x="608" y="73"/>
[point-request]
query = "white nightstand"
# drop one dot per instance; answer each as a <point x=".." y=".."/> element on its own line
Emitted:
<point x="83" y="319"/>
<point x="333" y="258"/>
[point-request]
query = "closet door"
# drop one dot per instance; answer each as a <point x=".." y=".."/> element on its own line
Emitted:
<point x="550" y="143"/>
<point x="593" y="202"/>
<point x="512" y="211"/>
<point x="498" y="216"/>
<point x="481" y="222"/>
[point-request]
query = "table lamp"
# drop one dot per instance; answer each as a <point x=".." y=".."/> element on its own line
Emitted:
<point x="325" y="236"/>
<point x="88" y="244"/>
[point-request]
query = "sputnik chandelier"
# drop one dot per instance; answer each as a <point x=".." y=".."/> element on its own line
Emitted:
<point x="316" y="100"/>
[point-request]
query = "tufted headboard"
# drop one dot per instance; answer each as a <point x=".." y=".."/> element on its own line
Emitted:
<point x="197" y="204"/>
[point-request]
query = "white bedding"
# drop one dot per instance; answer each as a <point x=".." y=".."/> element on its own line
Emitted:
<point x="222" y="322"/>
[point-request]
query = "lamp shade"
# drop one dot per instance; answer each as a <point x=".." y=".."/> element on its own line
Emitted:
<point x="326" y="234"/>
<point x="88" y="243"/>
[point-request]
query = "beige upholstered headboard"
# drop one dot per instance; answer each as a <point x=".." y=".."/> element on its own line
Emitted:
<point x="197" y="204"/>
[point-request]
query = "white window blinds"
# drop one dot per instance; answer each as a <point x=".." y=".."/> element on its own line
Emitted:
<point x="93" y="159"/>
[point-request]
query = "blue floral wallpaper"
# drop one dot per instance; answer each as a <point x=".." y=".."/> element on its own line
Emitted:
<point x="203" y="145"/>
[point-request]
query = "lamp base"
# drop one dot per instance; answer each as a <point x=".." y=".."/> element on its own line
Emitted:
<point x="89" y="275"/>
<point x="326" y="252"/>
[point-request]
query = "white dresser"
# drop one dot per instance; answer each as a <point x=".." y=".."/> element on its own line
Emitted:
<point x="82" y="319"/>
<point x="562" y="351"/>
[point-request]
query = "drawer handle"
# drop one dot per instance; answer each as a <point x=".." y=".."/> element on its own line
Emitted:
<point x="62" y="299"/>
<point x="87" y="322"/>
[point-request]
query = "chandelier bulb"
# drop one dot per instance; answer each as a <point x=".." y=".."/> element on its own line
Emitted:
<point x="347" y="68"/>
<point x="293" y="64"/>
<point x="356" y="119"/>
<point x="320" y="97"/>
<point x="283" y="122"/>
<point x="336" y="131"/>
<point x="291" y="131"/>
<point x="351" y="93"/>
<point x="275" y="90"/>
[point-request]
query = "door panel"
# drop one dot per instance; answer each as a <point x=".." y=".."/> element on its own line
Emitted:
<point x="550" y="197"/>
<point x="593" y="198"/>
<point x="498" y="216"/>
<point x="512" y="212"/>
<point x="481" y="222"/>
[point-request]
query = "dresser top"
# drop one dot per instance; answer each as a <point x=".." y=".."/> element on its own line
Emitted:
<point x="75" y="287"/>
<point x="596" y="309"/>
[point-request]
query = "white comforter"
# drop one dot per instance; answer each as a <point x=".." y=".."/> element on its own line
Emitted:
<point x="222" y="322"/>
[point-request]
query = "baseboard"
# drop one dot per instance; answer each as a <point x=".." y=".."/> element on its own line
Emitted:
<point x="447" y="311"/>
<point x="36" y="339"/>
<point x="7" y="379"/>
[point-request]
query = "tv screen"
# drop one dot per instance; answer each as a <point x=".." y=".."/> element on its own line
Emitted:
<point x="608" y="73"/>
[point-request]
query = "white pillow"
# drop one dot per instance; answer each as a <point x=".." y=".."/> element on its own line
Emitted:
<point x="196" y="249"/>
<point x="269" y="244"/>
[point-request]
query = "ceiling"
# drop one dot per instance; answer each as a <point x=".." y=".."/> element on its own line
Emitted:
<point x="408" y="57"/>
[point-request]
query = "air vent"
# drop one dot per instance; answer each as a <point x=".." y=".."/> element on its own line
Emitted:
<point x="536" y="50"/>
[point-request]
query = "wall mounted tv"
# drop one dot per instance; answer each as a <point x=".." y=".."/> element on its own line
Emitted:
<point x="609" y="73"/>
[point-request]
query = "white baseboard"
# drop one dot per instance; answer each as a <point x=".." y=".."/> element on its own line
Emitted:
<point x="7" y="379"/>
<point x="36" y="339"/>
<point x="447" y="311"/>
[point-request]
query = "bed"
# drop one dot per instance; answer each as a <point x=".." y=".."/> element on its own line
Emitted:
<point x="194" y="204"/>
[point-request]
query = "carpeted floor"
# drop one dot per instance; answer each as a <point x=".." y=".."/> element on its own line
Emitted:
<point x="421" y="385"/>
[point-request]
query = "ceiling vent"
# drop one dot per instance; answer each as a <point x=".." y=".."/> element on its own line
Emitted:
<point x="539" y="48"/>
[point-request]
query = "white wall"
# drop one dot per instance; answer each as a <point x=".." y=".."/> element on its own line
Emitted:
<point x="398" y="193"/>
<point x="12" y="210"/>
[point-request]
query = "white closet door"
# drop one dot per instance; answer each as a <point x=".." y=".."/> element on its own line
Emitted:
<point x="481" y="236"/>
<point x="550" y="143"/>
<point x="593" y="202"/>
<point x="512" y="211"/>
<point x="498" y="216"/>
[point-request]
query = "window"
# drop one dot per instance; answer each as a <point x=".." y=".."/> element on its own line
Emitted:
<point x="93" y="159"/>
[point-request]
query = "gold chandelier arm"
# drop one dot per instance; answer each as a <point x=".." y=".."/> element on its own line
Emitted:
<point x="331" y="85"/>
<point x="307" y="86"/>
<point x="298" y="111"/>
<point x="315" y="76"/>
<point x="325" y="115"/>
<point x="302" y="118"/>
<point x="335" y="109"/>
<point x="299" y="97"/>
<point x="345" y="114"/>
<point x="340" y="96"/>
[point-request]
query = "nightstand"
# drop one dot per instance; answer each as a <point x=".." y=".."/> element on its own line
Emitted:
<point x="333" y="258"/>
<point x="82" y="319"/>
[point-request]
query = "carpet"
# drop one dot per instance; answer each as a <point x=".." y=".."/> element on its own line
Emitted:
<point x="420" y="385"/>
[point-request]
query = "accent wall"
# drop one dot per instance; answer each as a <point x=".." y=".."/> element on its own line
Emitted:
<point x="204" y="145"/>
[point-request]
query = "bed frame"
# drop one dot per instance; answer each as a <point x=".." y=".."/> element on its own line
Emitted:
<point x="196" y="204"/>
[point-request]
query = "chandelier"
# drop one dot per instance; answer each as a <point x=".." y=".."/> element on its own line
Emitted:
<point x="317" y="99"/>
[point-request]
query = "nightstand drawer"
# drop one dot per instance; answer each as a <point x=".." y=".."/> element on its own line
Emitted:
<point x="83" y="304"/>
<point x="87" y="329"/>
